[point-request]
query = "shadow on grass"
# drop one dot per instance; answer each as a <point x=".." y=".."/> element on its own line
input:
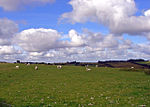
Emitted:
<point x="75" y="104"/>
<point x="62" y="104"/>
<point x="3" y="103"/>
<point x="132" y="70"/>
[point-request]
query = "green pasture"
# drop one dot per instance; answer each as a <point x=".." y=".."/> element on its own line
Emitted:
<point x="72" y="86"/>
<point x="146" y="62"/>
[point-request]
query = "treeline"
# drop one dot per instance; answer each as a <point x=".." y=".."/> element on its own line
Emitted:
<point x="84" y="63"/>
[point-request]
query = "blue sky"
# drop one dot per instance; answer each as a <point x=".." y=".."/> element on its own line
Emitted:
<point x="47" y="16"/>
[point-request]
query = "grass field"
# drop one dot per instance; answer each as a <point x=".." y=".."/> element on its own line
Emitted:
<point x="72" y="86"/>
<point x="146" y="62"/>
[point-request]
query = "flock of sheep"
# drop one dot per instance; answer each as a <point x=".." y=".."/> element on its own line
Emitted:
<point x="58" y="67"/>
<point x="36" y="67"/>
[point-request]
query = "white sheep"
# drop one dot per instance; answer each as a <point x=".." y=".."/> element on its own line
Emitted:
<point x="36" y="68"/>
<point x="28" y="64"/>
<point x="59" y="66"/>
<point x="17" y="67"/>
<point x="96" y="66"/>
<point x="132" y="67"/>
<point x="88" y="69"/>
<point x="86" y="65"/>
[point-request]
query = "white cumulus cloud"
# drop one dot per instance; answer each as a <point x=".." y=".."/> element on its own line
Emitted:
<point x="8" y="50"/>
<point x="147" y="13"/>
<point x="47" y="45"/>
<point x="7" y="28"/>
<point x="76" y="39"/>
<point x="117" y="15"/>
<point x="37" y="40"/>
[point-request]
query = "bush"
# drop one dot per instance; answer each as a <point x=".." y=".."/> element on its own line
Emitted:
<point x="147" y="72"/>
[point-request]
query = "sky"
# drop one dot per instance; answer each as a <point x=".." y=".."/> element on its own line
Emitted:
<point x="74" y="30"/>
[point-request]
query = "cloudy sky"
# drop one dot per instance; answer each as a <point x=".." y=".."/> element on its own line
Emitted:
<point x="69" y="30"/>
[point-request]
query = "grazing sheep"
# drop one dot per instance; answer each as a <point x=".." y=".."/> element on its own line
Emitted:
<point x="36" y="67"/>
<point x="17" y="67"/>
<point x="59" y="66"/>
<point x="132" y="67"/>
<point x="96" y="66"/>
<point x="86" y="65"/>
<point x="88" y="69"/>
<point x="28" y="64"/>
